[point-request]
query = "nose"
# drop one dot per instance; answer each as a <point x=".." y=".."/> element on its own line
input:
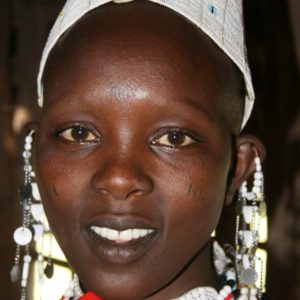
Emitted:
<point x="122" y="179"/>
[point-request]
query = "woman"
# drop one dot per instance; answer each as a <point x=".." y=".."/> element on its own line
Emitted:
<point x="139" y="147"/>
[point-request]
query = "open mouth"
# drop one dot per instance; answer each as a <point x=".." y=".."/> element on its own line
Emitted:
<point x="120" y="239"/>
<point x="123" y="236"/>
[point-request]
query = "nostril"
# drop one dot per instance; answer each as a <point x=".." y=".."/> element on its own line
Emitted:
<point x="122" y="180"/>
<point x="136" y="192"/>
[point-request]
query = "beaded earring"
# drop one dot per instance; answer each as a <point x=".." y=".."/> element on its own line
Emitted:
<point x="251" y="207"/>
<point x="32" y="227"/>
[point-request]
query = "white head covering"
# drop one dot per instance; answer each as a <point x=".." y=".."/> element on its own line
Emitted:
<point x="221" y="20"/>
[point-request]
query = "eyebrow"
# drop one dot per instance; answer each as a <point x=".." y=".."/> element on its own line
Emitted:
<point x="196" y="105"/>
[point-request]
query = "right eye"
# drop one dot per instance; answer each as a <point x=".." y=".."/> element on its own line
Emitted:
<point x="78" y="134"/>
<point x="174" y="139"/>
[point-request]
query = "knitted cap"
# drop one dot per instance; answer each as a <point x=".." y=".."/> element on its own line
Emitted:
<point x="221" y="20"/>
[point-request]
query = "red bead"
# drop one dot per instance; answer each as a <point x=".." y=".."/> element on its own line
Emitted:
<point x="90" y="296"/>
<point x="229" y="296"/>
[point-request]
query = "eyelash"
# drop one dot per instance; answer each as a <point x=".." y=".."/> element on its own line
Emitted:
<point x="193" y="138"/>
<point x="83" y="127"/>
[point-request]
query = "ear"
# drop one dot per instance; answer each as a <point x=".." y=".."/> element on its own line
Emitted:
<point x="30" y="126"/>
<point x="247" y="148"/>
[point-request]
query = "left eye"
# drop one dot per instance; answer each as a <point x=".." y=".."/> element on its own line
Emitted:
<point x="78" y="134"/>
<point x="174" y="139"/>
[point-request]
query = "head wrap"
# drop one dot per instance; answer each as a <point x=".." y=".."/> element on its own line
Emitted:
<point x="221" y="20"/>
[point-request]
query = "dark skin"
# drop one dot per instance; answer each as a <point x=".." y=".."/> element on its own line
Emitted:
<point x="140" y="114"/>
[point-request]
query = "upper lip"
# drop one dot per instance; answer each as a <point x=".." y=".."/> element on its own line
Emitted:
<point x="121" y="222"/>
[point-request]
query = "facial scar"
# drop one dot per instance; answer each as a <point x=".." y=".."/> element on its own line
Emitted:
<point x="192" y="192"/>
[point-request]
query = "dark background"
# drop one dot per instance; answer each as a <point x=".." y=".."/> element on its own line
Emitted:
<point x="273" y="40"/>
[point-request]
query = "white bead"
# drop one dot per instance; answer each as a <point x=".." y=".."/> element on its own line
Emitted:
<point x="223" y="293"/>
<point x="244" y="189"/>
<point x="227" y="288"/>
<point x="69" y="293"/>
<point x="27" y="147"/>
<point x="258" y="175"/>
<point x="250" y="196"/>
<point x="27" y="168"/>
<point x="257" y="160"/>
<point x="246" y="261"/>
<point x="256" y="189"/>
<point x="258" y="168"/>
<point x="26" y="154"/>
<point x="23" y="283"/>
<point x="253" y="292"/>
<point x="28" y="139"/>
<point x="257" y="182"/>
<point x="72" y="285"/>
<point x="238" y="256"/>
<point x="27" y="258"/>
<point x="248" y="212"/>
<point x="230" y="275"/>
<point x="247" y="238"/>
<point x="244" y="291"/>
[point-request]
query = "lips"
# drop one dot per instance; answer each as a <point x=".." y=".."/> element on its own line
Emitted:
<point x="120" y="239"/>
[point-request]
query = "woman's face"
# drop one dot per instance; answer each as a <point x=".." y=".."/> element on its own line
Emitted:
<point x="133" y="150"/>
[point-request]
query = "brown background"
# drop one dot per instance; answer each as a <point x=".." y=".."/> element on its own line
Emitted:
<point x="273" y="38"/>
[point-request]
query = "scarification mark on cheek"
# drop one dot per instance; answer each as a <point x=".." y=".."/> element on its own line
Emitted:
<point x="55" y="190"/>
<point x="51" y="193"/>
<point x="192" y="192"/>
<point x="190" y="189"/>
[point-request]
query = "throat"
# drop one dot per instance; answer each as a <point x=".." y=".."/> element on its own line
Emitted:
<point x="199" y="272"/>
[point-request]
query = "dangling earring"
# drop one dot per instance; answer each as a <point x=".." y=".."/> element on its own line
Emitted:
<point x="32" y="227"/>
<point x="251" y="207"/>
<point x="49" y="269"/>
<point x="74" y="290"/>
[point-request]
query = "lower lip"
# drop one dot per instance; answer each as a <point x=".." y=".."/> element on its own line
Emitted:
<point x="114" y="252"/>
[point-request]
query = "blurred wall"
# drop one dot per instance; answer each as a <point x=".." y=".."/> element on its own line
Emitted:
<point x="273" y="38"/>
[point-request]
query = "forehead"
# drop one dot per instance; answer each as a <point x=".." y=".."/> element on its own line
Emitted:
<point x="137" y="43"/>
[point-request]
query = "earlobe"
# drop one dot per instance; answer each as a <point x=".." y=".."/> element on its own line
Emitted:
<point x="31" y="126"/>
<point x="248" y="147"/>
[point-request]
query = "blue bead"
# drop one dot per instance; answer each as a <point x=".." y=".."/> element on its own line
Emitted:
<point x="212" y="9"/>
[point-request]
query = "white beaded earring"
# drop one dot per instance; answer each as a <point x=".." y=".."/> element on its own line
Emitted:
<point x="32" y="227"/>
<point x="251" y="207"/>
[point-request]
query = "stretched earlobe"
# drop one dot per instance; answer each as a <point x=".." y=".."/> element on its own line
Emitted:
<point x="30" y="126"/>
<point x="247" y="148"/>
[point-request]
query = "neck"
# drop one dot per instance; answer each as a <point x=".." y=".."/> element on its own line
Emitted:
<point x="199" y="272"/>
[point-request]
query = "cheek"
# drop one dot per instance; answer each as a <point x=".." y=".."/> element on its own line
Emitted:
<point x="195" y="199"/>
<point x="61" y="189"/>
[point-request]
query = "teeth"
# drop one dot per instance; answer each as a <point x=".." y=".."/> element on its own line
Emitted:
<point x="112" y="234"/>
<point x="121" y="236"/>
